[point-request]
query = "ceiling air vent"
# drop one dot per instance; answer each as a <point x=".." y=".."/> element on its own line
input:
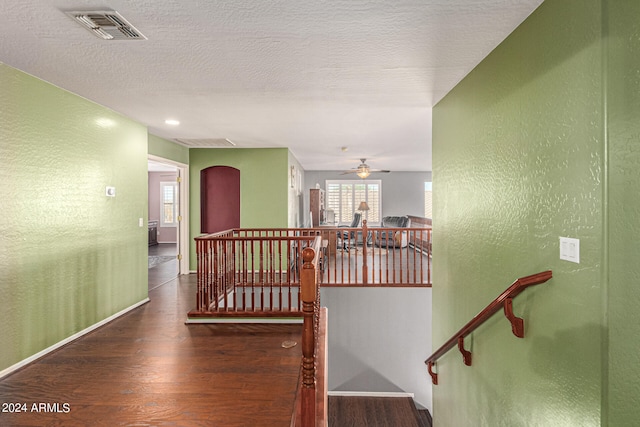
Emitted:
<point x="107" y="24"/>
<point x="213" y="142"/>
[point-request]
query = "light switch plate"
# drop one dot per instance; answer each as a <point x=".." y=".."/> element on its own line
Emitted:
<point x="570" y="249"/>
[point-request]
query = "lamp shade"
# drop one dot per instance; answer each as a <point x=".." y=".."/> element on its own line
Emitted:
<point x="363" y="206"/>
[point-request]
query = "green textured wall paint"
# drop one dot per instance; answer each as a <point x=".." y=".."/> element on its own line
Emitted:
<point x="624" y="213"/>
<point x="168" y="150"/>
<point x="296" y="196"/>
<point x="69" y="256"/>
<point x="518" y="161"/>
<point x="264" y="183"/>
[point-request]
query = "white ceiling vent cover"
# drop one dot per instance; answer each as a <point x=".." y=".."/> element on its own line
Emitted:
<point x="107" y="24"/>
<point x="213" y="142"/>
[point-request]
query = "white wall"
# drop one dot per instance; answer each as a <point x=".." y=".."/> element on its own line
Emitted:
<point x="379" y="339"/>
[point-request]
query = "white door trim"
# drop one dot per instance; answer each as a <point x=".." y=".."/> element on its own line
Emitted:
<point x="183" y="226"/>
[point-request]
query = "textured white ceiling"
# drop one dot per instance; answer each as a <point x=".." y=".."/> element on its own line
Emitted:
<point x="310" y="75"/>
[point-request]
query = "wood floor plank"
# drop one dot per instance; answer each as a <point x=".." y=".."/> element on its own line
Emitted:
<point x="363" y="411"/>
<point x="149" y="368"/>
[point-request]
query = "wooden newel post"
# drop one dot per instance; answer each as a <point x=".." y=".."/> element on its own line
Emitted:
<point x="308" y="285"/>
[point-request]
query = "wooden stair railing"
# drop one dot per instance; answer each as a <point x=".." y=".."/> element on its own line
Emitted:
<point x="311" y="404"/>
<point x="505" y="301"/>
<point x="368" y="256"/>
<point x="256" y="272"/>
<point x="249" y="273"/>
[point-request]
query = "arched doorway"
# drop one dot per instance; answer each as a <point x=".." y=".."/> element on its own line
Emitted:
<point x="219" y="199"/>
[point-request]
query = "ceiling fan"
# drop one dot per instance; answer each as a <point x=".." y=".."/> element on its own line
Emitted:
<point x="363" y="170"/>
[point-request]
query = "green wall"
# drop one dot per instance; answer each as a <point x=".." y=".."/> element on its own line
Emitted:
<point x="623" y="294"/>
<point x="541" y="141"/>
<point x="518" y="162"/>
<point x="69" y="256"/>
<point x="168" y="150"/>
<point x="264" y="186"/>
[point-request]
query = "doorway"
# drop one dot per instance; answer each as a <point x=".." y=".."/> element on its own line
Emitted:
<point x="167" y="194"/>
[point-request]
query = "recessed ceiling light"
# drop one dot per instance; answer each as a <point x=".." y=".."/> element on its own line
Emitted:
<point x="172" y="122"/>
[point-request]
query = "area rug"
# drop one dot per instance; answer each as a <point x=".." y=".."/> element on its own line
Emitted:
<point x="155" y="260"/>
<point x="370" y="251"/>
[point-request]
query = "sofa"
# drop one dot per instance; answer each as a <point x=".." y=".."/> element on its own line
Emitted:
<point x="393" y="239"/>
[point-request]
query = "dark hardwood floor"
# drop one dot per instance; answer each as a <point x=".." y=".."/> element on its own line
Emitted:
<point x="147" y="368"/>
<point x="166" y="271"/>
<point x="362" y="411"/>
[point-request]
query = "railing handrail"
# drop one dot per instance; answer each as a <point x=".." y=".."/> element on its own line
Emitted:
<point x="267" y="238"/>
<point x="321" y="228"/>
<point x="214" y="235"/>
<point x="504" y="300"/>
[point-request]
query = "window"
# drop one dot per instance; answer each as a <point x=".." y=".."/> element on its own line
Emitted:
<point x="344" y="197"/>
<point x="168" y="204"/>
<point x="428" y="211"/>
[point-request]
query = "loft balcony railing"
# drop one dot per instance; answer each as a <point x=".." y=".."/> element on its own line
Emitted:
<point x="256" y="272"/>
<point x="503" y="301"/>
<point x="376" y="256"/>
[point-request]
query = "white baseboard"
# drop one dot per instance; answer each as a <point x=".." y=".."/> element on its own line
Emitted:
<point x="370" y="394"/>
<point x="272" y="320"/>
<point x="67" y="340"/>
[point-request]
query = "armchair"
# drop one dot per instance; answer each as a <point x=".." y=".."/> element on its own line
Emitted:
<point x="393" y="239"/>
<point x="348" y="236"/>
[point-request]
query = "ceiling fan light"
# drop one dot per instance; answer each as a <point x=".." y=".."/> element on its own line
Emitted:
<point x="363" y="170"/>
<point x="362" y="173"/>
